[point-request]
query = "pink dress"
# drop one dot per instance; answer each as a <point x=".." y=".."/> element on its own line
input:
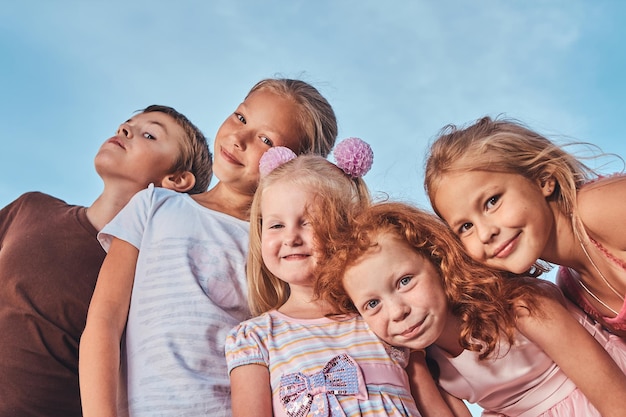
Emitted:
<point x="613" y="344"/>
<point x="568" y="280"/>
<point x="522" y="381"/>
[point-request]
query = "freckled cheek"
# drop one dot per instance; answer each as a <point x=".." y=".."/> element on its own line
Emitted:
<point x="378" y="325"/>
<point x="379" y="328"/>
<point x="382" y="330"/>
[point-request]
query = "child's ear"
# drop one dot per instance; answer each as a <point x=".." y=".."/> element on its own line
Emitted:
<point x="547" y="183"/>
<point x="179" y="181"/>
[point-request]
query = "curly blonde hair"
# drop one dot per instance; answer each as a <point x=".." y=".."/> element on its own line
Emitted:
<point x="480" y="297"/>
<point x="336" y="196"/>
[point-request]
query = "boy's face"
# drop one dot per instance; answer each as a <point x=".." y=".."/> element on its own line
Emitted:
<point x="399" y="294"/>
<point x="143" y="151"/>
<point x="263" y="120"/>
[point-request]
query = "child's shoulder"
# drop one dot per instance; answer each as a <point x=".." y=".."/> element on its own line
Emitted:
<point x="153" y="193"/>
<point x="600" y="205"/>
<point x="39" y="196"/>
<point x="36" y="199"/>
<point x="255" y="325"/>
<point x="604" y="181"/>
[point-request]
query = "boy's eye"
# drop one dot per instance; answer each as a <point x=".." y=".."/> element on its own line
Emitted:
<point x="492" y="201"/>
<point x="241" y="118"/>
<point x="267" y="141"/>
<point x="149" y="136"/>
<point x="371" y="304"/>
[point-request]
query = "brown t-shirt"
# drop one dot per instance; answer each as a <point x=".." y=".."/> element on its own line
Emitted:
<point x="49" y="263"/>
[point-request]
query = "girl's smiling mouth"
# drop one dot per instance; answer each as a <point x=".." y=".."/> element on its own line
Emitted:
<point x="505" y="250"/>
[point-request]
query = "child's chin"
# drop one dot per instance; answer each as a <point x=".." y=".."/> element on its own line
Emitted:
<point x="518" y="269"/>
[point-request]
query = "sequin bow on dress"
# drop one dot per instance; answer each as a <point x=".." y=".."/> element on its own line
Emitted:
<point x="317" y="392"/>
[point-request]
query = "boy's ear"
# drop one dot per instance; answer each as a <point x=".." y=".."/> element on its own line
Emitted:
<point x="547" y="183"/>
<point x="179" y="181"/>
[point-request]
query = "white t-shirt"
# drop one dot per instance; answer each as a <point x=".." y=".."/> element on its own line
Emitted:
<point x="189" y="291"/>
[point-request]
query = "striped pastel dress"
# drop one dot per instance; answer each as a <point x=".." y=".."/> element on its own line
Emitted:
<point x="319" y="363"/>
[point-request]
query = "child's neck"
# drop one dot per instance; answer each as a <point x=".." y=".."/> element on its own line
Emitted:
<point x="449" y="338"/>
<point x="299" y="309"/>
<point x="562" y="247"/>
<point x="225" y="200"/>
<point x="108" y="204"/>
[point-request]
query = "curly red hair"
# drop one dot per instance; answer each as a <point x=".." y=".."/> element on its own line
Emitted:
<point x="482" y="298"/>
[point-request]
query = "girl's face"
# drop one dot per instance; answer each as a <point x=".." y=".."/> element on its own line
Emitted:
<point x="503" y="220"/>
<point x="399" y="294"/>
<point x="286" y="234"/>
<point x="265" y="119"/>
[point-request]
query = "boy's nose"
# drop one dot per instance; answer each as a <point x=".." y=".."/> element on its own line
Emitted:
<point x="124" y="130"/>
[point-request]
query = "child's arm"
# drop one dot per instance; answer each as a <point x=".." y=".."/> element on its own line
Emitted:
<point x="426" y="394"/>
<point x="251" y="393"/>
<point x="99" y="359"/>
<point x="458" y="406"/>
<point x="578" y="354"/>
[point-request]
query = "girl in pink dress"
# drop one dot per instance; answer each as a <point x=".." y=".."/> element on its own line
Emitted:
<point x="518" y="201"/>
<point x="508" y="344"/>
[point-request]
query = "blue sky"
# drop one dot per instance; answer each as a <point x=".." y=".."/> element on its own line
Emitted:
<point x="395" y="73"/>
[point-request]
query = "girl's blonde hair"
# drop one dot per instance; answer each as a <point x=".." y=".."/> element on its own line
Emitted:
<point x="336" y="196"/>
<point x="505" y="145"/>
<point x="479" y="296"/>
<point x="315" y="115"/>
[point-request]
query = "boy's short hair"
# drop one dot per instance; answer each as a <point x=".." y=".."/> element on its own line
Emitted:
<point x="195" y="156"/>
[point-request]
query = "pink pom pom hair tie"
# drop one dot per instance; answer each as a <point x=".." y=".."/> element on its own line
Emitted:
<point x="273" y="158"/>
<point x="354" y="156"/>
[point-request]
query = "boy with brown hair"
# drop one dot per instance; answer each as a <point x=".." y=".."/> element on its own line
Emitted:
<point x="50" y="258"/>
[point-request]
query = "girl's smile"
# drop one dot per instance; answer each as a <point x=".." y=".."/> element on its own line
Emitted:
<point x="228" y="157"/>
<point x="507" y="247"/>
<point x="503" y="220"/>
<point x="286" y="235"/>
<point x="265" y="119"/>
<point x="399" y="294"/>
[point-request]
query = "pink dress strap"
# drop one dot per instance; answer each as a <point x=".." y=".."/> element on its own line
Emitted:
<point x="567" y="280"/>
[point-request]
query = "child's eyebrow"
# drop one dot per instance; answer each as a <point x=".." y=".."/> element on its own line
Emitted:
<point x="151" y="121"/>
<point x="163" y="126"/>
<point x="158" y="123"/>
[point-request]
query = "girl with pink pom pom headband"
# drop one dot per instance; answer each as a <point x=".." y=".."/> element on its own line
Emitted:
<point x="353" y="155"/>
<point x="336" y="190"/>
